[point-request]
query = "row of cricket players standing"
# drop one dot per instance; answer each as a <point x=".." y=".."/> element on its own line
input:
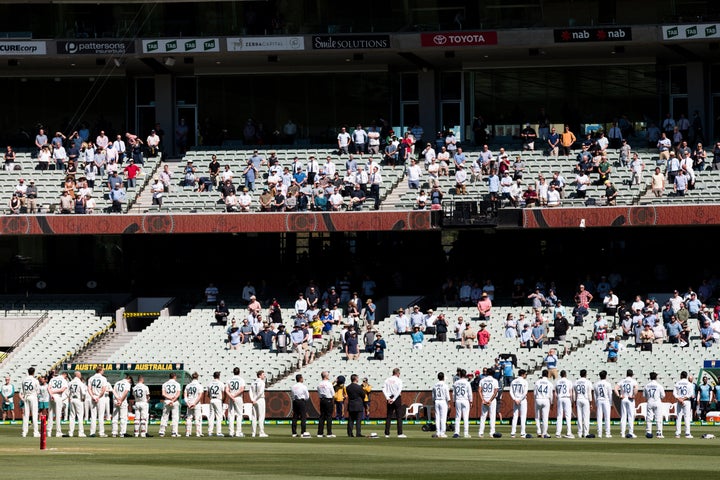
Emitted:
<point x="564" y="393"/>
<point x="95" y="395"/>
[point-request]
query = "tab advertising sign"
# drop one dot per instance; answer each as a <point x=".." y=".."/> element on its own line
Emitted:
<point x="691" y="32"/>
<point x="181" y="45"/>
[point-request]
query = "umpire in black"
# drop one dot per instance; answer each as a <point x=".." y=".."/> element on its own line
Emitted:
<point x="356" y="406"/>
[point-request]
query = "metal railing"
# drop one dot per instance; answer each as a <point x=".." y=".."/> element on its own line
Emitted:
<point x="24" y="336"/>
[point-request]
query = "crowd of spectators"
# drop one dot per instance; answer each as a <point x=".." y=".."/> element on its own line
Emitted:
<point x="85" y="166"/>
<point x="264" y="184"/>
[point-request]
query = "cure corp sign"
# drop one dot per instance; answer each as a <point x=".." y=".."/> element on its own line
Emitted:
<point x="459" y="39"/>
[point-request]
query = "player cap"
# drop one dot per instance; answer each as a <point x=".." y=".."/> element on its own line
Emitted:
<point x="477" y="372"/>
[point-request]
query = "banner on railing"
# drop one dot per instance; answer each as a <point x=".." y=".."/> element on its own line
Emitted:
<point x="109" y="367"/>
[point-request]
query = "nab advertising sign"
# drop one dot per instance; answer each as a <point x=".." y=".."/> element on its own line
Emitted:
<point x="580" y="35"/>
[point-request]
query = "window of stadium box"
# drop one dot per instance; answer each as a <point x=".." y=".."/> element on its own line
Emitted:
<point x="316" y="103"/>
<point x="60" y="104"/>
<point x="513" y="96"/>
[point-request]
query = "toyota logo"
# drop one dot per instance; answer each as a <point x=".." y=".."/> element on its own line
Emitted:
<point x="71" y="47"/>
<point x="439" y="39"/>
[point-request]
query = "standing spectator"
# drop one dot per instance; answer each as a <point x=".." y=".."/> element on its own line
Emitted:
<point x="441" y="328"/>
<point x="483" y="336"/>
<point x="484" y="307"/>
<point x="117" y="196"/>
<point x="567" y="139"/>
<point x="9" y="159"/>
<point x="343" y="141"/>
<point x="551" y="363"/>
<point x="41" y="139"/>
<point x="153" y="144"/>
<point x="561" y="327"/>
<point x="417" y="337"/>
<point x="526" y="337"/>
<point x="537" y="334"/>
<point x="31" y="193"/>
<point x="468" y="336"/>
<point x="379" y="347"/>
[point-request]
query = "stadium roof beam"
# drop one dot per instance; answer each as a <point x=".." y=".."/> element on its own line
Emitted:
<point x="414" y="59"/>
<point x="154" y="65"/>
<point x="683" y="52"/>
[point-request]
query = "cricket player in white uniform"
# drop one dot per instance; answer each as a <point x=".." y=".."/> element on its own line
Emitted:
<point x="141" y="393"/>
<point x="171" y="405"/>
<point x="583" y="393"/>
<point x="564" y="392"/>
<point x="653" y="393"/>
<point x="518" y="393"/>
<point x="257" y="397"/>
<point x="87" y="403"/>
<point x="488" y="392"/>
<point x="97" y="387"/>
<point x="56" y="388"/>
<point x="121" y="392"/>
<point x="626" y="389"/>
<point x="8" y="396"/>
<point x="684" y="392"/>
<point x="234" y="391"/>
<point x="441" y="400"/>
<point x="29" y="394"/>
<point x="463" y="401"/>
<point x="544" y="391"/>
<point x="215" y="390"/>
<point x="193" y="401"/>
<point x="603" y="397"/>
<point x="108" y="413"/>
<point x="77" y="389"/>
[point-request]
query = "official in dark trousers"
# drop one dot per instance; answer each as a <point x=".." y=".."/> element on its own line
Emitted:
<point x="356" y="396"/>
<point x="300" y="397"/>
<point x="392" y="389"/>
<point x="325" y="392"/>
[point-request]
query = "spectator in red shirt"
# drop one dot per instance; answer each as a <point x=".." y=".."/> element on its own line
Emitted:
<point x="483" y="336"/>
<point x="131" y="173"/>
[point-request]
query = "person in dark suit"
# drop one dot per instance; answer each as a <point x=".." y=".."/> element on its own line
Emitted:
<point x="356" y="395"/>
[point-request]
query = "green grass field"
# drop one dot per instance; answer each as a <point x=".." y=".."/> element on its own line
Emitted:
<point x="416" y="457"/>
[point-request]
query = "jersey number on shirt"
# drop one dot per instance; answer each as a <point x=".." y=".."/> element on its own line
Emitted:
<point x="28" y="387"/>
